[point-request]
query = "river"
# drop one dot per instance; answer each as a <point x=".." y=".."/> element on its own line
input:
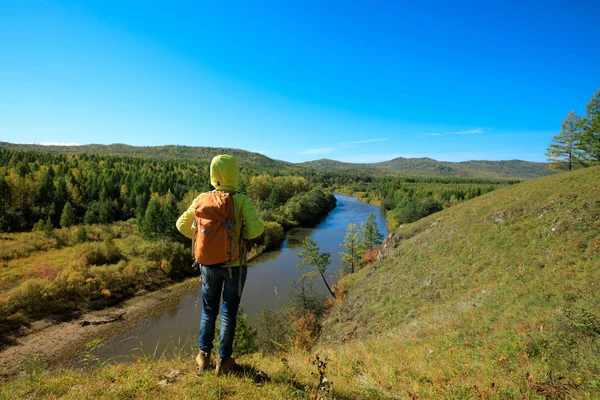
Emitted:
<point x="176" y="324"/>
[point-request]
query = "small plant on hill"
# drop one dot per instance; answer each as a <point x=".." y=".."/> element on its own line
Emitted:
<point x="274" y="330"/>
<point x="89" y="358"/>
<point x="323" y="387"/>
<point x="244" y="341"/>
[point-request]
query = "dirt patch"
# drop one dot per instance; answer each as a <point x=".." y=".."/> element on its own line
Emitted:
<point x="52" y="342"/>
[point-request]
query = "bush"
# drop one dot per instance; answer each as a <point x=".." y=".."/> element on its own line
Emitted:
<point x="274" y="330"/>
<point x="81" y="234"/>
<point x="33" y="296"/>
<point x="307" y="208"/>
<point x="101" y="253"/>
<point x="244" y="341"/>
<point x="414" y="210"/>
<point x="273" y="235"/>
<point x="306" y="331"/>
<point x="45" y="271"/>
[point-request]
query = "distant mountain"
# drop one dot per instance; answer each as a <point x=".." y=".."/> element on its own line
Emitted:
<point x="512" y="169"/>
<point x="169" y="152"/>
<point x="418" y="167"/>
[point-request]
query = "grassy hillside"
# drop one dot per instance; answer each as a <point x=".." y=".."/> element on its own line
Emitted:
<point x="512" y="169"/>
<point x="498" y="295"/>
<point x="494" y="298"/>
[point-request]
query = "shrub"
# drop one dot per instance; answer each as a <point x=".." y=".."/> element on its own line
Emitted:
<point x="38" y="226"/>
<point x="44" y="271"/>
<point x="370" y="255"/>
<point x="273" y="235"/>
<point x="306" y="331"/>
<point x="303" y="299"/>
<point x="136" y="272"/>
<point x="81" y="234"/>
<point x="244" y="341"/>
<point x="274" y="330"/>
<point x="245" y="335"/>
<point x="102" y="253"/>
<point x="33" y="296"/>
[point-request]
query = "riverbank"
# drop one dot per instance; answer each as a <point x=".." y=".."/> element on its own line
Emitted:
<point x="50" y="342"/>
<point x="174" y="310"/>
<point x="268" y="283"/>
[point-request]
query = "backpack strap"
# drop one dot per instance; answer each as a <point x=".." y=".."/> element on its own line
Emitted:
<point x="242" y="259"/>
<point x="231" y="231"/>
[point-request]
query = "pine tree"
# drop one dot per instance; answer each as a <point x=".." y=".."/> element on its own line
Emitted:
<point x="45" y="191"/>
<point x="5" y="202"/>
<point x="311" y="256"/>
<point x="371" y="234"/>
<point x="67" y="217"/>
<point x="589" y="139"/>
<point x="153" y="222"/>
<point x="563" y="153"/>
<point x="354" y="249"/>
<point x="48" y="227"/>
<point x="171" y="213"/>
<point x="81" y="234"/>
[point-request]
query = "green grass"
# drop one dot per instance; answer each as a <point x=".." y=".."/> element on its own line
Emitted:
<point x="488" y="292"/>
<point x="493" y="298"/>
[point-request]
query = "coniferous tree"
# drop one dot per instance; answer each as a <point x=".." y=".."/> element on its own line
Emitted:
<point x="67" y="217"/>
<point x="353" y="245"/>
<point x="563" y="153"/>
<point x="153" y="222"/>
<point x="48" y="227"/>
<point x="171" y="213"/>
<point x="371" y="234"/>
<point x="45" y="191"/>
<point x="81" y="234"/>
<point x="312" y="257"/>
<point x="5" y="202"/>
<point x="589" y="139"/>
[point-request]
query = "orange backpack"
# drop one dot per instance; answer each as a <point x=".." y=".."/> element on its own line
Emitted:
<point x="215" y="240"/>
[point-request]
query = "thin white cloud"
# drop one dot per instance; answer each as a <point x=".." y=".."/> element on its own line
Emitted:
<point x="59" y="144"/>
<point x="369" y="141"/>
<point x="474" y="131"/>
<point x="317" y="151"/>
<point x="469" y="132"/>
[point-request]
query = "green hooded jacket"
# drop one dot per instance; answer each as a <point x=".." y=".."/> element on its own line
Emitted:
<point x="224" y="176"/>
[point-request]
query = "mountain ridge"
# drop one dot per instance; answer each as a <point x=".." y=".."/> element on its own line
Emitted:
<point x="425" y="166"/>
<point x="418" y="167"/>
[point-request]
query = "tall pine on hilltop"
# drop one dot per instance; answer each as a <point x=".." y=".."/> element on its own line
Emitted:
<point x="563" y="152"/>
<point x="589" y="139"/>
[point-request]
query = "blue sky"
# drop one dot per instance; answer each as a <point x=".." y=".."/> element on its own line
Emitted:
<point x="351" y="81"/>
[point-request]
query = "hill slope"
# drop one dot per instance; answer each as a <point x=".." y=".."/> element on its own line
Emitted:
<point x="495" y="295"/>
<point x="418" y="167"/>
<point x="170" y="152"/>
<point x="494" y="298"/>
<point x="512" y="169"/>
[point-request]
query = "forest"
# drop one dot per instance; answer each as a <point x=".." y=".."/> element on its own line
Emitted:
<point x="84" y="231"/>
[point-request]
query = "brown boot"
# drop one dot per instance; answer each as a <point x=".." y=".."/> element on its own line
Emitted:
<point x="225" y="366"/>
<point x="203" y="360"/>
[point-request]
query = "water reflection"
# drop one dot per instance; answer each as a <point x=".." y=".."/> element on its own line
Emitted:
<point x="269" y="276"/>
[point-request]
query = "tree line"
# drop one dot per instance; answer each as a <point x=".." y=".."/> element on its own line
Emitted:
<point x="578" y="143"/>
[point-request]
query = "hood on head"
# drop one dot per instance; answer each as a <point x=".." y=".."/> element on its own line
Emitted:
<point x="224" y="172"/>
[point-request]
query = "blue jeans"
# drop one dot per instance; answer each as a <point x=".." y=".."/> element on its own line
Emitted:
<point x="215" y="280"/>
